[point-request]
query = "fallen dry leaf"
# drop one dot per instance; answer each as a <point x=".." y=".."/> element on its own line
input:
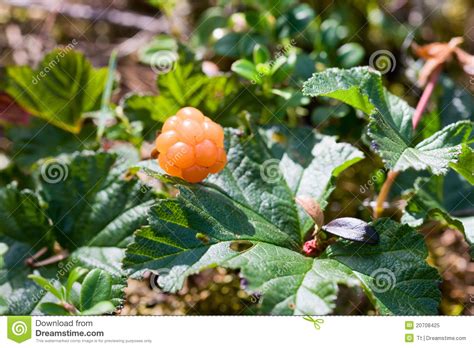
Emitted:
<point x="438" y="53"/>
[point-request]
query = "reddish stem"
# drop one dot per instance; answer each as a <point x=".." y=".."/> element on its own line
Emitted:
<point x="384" y="191"/>
<point x="420" y="109"/>
<point x="425" y="97"/>
<point x="50" y="260"/>
<point x="31" y="260"/>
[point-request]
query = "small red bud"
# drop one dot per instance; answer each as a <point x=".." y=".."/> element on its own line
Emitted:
<point x="310" y="247"/>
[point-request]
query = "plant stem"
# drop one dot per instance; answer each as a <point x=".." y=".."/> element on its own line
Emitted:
<point x="32" y="259"/>
<point x="384" y="191"/>
<point x="418" y="114"/>
<point x="425" y="97"/>
<point x="50" y="260"/>
<point x="105" y="110"/>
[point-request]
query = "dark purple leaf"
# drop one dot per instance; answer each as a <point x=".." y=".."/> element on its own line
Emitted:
<point x="353" y="229"/>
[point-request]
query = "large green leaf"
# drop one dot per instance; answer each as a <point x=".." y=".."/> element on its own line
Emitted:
<point x="264" y="174"/>
<point x="435" y="153"/>
<point x="100" y="208"/>
<point x="309" y="161"/>
<point x="185" y="239"/>
<point x="390" y="121"/>
<point x="60" y="90"/>
<point x="245" y="219"/>
<point x="90" y="208"/>
<point x="398" y="260"/>
<point x="394" y="276"/>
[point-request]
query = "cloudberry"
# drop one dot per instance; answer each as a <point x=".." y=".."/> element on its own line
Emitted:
<point x="191" y="146"/>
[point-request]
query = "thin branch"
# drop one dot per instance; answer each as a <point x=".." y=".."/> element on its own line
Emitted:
<point x="50" y="260"/>
<point x="384" y="191"/>
<point x="31" y="260"/>
<point x="425" y="97"/>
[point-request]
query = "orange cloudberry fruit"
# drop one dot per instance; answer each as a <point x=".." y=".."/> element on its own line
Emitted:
<point x="191" y="146"/>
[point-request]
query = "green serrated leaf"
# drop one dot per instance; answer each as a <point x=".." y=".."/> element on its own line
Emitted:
<point x="93" y="212"/>
<point x="100" y="208"/>
<point x="246" y="218"/>
<point x="151" y="110"/>
<point x="310" y="162"/>
<point x="390" y="121"/>
<point x="60" y="90"/>
<point x="349" y="86"/>
<point x="22" y="217"/>
<point x="290" y="282"/>
<point x="394" y="272"/>
<point x="435" y="153"/>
